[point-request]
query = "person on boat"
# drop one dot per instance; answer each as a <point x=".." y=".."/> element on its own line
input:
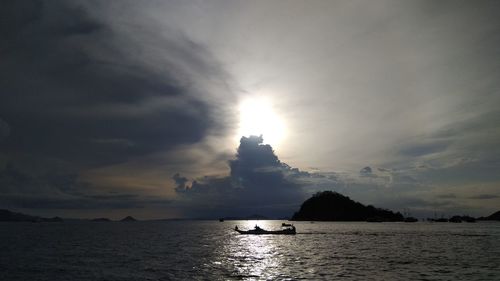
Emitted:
<point x="257" y="227"/>
<point x="236" y="228"/>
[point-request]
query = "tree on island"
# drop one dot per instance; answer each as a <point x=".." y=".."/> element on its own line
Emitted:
<point x="333" y="206"/>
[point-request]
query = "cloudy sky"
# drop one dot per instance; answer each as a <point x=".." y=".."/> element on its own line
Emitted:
<point x="155" y="108"/>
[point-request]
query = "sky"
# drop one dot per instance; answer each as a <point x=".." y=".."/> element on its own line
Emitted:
<point x="192" y="109"/>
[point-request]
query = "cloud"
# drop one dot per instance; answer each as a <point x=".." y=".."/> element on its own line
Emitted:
<point x="258" y="183"/>
<point x="57" y="189"/>
<point x="180" y="183"/>
<point x="81" y="93"/>
<point x="447" y="196"/>
<point x="72" y="80"/>
<point x="484" y="196"/>
<point x="422" y="149"/>
<point x="366" y="172"/>
<point x="4" y="130"/>
<point x="138" y="95"/>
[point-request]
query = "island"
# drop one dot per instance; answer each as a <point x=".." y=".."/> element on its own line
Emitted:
<point x="101" y="220"/>
<point x="6" y="215"/>
<point x="333" y="206"/>
<point x="128" y="218"/>
<point x="493" y="217"/>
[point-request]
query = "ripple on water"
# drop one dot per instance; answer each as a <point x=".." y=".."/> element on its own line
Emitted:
<point x="198" y="250"/>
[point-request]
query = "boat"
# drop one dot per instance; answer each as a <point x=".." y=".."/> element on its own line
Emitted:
<point x="259" y="231"/>
<point x="221" y="219"/>
<point x="286" y="224"/>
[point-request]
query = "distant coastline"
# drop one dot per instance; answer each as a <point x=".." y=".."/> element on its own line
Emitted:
<point x="323" y="206"/>
<point x="10" y="216"/>
<point x="6" y="215"/>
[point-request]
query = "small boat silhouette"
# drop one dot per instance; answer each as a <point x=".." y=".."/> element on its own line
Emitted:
<point x="259" y="231"/>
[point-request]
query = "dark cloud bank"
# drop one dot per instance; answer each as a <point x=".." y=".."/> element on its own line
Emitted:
<point x="78" y="94"/>
<point x="68" y="92"/>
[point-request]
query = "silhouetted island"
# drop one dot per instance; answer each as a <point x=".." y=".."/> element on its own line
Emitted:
<point x="333" y="206"/>
<point x="459" y="219"/>
<point x="493" y="217"/>
<point x="101" y="220"/>
<point x="128" y="218"/>
<point x="6" y="215"/>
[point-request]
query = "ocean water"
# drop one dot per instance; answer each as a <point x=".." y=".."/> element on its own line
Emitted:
<point x="211" y="250"/>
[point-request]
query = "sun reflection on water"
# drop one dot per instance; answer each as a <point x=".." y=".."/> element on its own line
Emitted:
<point x="257" y="257"/>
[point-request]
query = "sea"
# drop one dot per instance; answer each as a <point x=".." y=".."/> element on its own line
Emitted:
<point x="212" y="250"/>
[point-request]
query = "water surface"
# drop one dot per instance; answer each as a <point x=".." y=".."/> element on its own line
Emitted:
<point x="210" y="250"/>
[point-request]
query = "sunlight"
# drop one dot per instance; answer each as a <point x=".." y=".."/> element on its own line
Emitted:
<point x="257" y="117"/>
<point x="256" y="255"/>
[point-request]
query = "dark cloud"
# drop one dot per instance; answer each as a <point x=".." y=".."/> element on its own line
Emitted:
<point x="70" y="203"/>
<point x="447" y="196"/>
<point x="4" y="130"/>
<point x="422" y="149"/>
<point x="366" y="172"/>
<point x="484" y="196"/>
<point x="180" y="182"/>
<point x="384" y="170"/>
<point x="78" y="93"/>
<point x="73" y="88"/>
<point x="258" y="183"/>
<point x="62" y="190"/>
<point x="16" y="181"/>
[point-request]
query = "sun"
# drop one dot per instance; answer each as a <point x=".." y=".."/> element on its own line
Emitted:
<point x="258" y="117"/>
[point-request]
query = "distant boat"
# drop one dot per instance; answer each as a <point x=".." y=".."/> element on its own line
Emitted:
<point x="259" y="231"/>
<point x="221" y="220"/>
<point x="286" y="224"/>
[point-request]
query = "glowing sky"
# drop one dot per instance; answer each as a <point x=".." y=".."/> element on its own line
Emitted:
<point x="101" y="103"/>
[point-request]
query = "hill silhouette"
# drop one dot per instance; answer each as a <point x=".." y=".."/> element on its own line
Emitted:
<point x="493" y="217"/>
<point x="128" y="218"/>
<point x="101" y="220"/>
<point x="6" y="215"/>
<point x="333" y="206"/>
